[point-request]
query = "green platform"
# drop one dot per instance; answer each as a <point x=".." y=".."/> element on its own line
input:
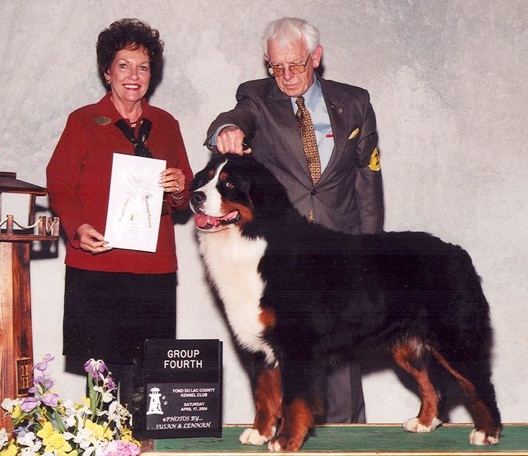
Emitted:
<point x="356" y="440"/>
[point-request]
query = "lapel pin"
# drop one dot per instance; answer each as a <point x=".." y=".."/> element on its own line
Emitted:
<point x="102" y="120"/>
<point x="354" y="134"/>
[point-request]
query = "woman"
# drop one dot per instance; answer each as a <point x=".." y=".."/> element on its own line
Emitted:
<point x="115" y="299"/>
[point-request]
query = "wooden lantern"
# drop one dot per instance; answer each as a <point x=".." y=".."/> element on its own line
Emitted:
<point x="16" y="236"/>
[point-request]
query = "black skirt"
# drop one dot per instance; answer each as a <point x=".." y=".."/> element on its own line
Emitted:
<point x="109" y="315"/>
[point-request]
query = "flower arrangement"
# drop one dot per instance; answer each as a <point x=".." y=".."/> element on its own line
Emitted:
<point x="44" y="424"/>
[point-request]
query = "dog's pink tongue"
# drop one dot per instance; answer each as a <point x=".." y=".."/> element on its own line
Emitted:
<point x="202" y="220"/>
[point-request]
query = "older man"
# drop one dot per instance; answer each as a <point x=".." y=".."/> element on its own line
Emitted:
<point x="319" y="139"/>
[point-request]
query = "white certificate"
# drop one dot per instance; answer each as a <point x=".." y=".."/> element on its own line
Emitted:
<point x="135" y="203"/>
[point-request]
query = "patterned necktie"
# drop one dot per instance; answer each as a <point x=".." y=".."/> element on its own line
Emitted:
<point x="308" y="140"/>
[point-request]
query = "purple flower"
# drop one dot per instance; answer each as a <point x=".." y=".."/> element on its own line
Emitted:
<point x="23" y="430"/>
<point x="96" y="368"/>
<point x="41" y="385"/>
<point x="50" y="399"/>
<point x="29" y="403"/>
<point x="109" y="383"/>
<point x="43" y="365"/>
<point x="44" y="382"/>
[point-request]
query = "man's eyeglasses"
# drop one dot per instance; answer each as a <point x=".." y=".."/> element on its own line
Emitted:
<point x="295" y="68"/>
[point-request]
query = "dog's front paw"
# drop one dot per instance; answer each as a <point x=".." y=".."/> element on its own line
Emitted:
<point x="479" y="437"/>
<point x="414" y="425"/>
<point x="285" y="444"/>
<point x="253" y="437"/>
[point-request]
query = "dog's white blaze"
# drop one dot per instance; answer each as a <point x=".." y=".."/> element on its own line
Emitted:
<point x="213" y="203"/>
<point x="232" y="261"/>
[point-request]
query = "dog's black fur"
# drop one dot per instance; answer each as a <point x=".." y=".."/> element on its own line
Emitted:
<point x="328" y="295"/>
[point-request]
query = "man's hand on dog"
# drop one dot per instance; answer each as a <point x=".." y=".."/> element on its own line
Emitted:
<point x="230" y="140"/>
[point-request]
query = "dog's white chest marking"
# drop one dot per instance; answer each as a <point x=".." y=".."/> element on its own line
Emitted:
<point x="232" y="263"/>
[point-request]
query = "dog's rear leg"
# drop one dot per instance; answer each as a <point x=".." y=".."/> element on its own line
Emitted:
<point x="412" y="356"/>
<point x="482" y="401"/>
<point x="268" y="404"/>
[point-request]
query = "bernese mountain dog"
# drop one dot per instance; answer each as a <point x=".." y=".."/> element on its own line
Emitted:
<point x="300" y="294"/>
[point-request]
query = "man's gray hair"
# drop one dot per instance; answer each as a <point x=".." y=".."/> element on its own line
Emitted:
<point x="287" y="30"/>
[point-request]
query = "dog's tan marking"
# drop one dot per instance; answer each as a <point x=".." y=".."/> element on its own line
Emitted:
<point x="246" y="215"/>
<point x="404" y="354"/>
<point x="297" y="422"/>
<point x="267" y="318"/>
<point x="268" y="401"/>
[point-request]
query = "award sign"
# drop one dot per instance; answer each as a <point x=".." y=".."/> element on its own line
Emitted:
<point x="135" y="202"/>
<point x="183" y="388"/>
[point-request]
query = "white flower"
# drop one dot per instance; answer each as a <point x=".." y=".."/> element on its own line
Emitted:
<point x="70" y="412"/>
<point x="69" y="436"/>
<point x="97" y="448"/>
<point x="85" y="409"/>
<point x="103" y="449"/>
<point x="88" y="451"/>
<point x="118" y="414"/>
<point x="110" y="447"/>
<point x="4" y="437"/>
<point x="106" y="395"/>
<point x="87" y="440"/>
<point x="29" y="440"/>
<point x="26" y="451"/>
<point x="9" y="404"/>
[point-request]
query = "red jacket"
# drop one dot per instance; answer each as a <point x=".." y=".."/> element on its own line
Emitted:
<point x="78" y="181"/>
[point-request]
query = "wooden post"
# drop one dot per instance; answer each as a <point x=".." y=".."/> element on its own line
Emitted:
<point x="16" y="336"/>
<point x="16" y="340"/>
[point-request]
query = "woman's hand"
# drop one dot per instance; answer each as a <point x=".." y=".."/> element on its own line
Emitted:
<point x="172" y="180"/>
<point x="91" y="240"/>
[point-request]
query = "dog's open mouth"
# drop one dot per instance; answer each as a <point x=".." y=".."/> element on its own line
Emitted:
<point x="208" y="222"/>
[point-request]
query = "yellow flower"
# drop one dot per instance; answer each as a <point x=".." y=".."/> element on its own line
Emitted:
<point x="98" y="430"/>
<point x="11" y="450"/>
<point x="53" y="440"/>
<point x="126" y="436"/>
<point x="16" y="412"/>
<point x="46" y="430"/>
